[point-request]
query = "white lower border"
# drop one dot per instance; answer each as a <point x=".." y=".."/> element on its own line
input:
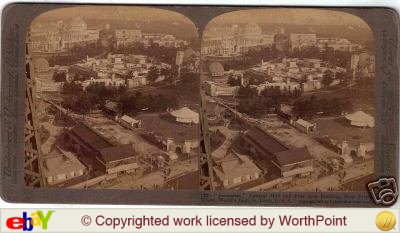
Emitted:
<point x="197" y="220"/>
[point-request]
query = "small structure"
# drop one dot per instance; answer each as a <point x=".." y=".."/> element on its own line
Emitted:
<point x="361" y="119"/>
<point x="185" y="115"/>
<point x="304" y="126"/>
<point x="213" y="89"/>
<point x="62" y="167"/>
<point x="216" y="69"/>
<point x="285" y="111"/>
<point x="128" y="122"/>
<point x="294" y="163"/>
<point x="98" y="153"/>
<point x="265" y="149"/>
<point x="111" y="108"/>
<point x="121" y="158"/>
<point x="236" y="170"/>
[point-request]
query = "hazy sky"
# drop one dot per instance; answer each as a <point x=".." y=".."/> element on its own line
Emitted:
<point x="111" y="13"/>
<point x="290" y="16"/>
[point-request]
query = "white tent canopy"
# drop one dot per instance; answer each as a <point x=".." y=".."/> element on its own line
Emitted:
<point x="361" y="119"/>
<point x="185" y="115"/>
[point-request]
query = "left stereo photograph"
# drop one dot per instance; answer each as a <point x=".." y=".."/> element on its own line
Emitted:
<point x="112" y="99"/>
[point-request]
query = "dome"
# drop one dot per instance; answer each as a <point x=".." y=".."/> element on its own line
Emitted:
<point x="216" y="68"/>
<point x="185" y="115"/>
<point x="281" y="38"/>
<point x="78" y="24"/>
<point x="364" y="60"/>
<point x="41" y="64"/>
<point x="252" y="29"/>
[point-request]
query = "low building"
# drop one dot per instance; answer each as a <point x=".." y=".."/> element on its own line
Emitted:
<point x="311" y="85"/>
<point x="304" y="126"/>
<point x="236" y="170"/>
<point x="287" y="86"/>
<point x="213" y="89"/>
<point x="301" y="41"/>
<point x="285" y="111"/>
<point x="116" y="159"/>
<point x="98" y="153"/>
<point x="216" y="69"/>
<point x="126" y="37"/>
<point x="128" y="122"/>
<point x="294" y="163"/>
<point x="107" y="82"/>
<point x="273" y="156"/>
<point x="185" y="115"/>
<point x="360" y="119"/>
<point x="111" y="108"/>
<point x="61" y="167"/>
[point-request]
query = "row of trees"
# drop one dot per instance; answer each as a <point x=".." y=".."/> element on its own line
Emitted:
<point x="307" y="108"/>
<point x="254" y="104"/>
<point x="155" y="72"/>
<point x="161" y="53"/>
<point x="95" y="95"/>
<point x="76" y="53"/>
<point x="59" y="76"/>
<point x="255" y="55"/>
<point x="134" y="103"/>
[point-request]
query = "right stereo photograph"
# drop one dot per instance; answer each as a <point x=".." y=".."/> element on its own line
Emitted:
<point x="289" y="100"/>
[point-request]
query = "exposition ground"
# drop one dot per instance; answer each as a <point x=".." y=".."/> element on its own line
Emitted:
<point x="120" y="135"/>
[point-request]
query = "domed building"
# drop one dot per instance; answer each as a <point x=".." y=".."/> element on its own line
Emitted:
<point x="76" y="32"/>
<point x="107" y="37"/>
<point x="78" y="24"/>
<point x="252" y="29"/>
<point x="367" y="64"/>
<point x="216" y="69"/>
<point x="281" y="41"/>
<point x="41" y="65"/>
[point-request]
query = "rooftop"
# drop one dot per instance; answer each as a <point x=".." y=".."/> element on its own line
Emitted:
<point x="239" y="166"/>
<point x="168" y="128"/>
<point x="304" y="123"/>
<point x="216" y="67"/>
<point x="117" y="153"/>
<point x="360" y="116"/>
<point x="265" y="141"/>
<point x="129" y="119"/>
<point x="62" y="162"/>
<point x="185" y="113"/>
<point x="90" y="137"/>
<point x="293" y="156"/>
<point x="112" y="106"/>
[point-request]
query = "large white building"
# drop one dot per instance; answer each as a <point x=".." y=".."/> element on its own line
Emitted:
<point x="340" y="44"/>
<point x="300" y="41"/>
<point x="57" y="37"/>
<point x="235" y="40"/>
<point x="127" y="36"/>
<point x="213" y="89"/>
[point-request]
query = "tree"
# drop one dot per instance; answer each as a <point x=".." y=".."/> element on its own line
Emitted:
<point x="327" y="78"/>
<point x="233" y="81"/>
<point x="71" y="88"/>
<point x="166" y="72"/>
<point x="153" y="73"/>
<point x="59" y="76"/>
<point x="246" y="92"/>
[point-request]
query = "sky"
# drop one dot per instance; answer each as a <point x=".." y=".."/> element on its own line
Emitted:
<point x="290" y="16"/>
<point x="112" y="12"/>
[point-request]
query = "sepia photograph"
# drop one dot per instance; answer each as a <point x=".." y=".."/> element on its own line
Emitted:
<point x="289" y="100"/>
<point x="113" y="99"/>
